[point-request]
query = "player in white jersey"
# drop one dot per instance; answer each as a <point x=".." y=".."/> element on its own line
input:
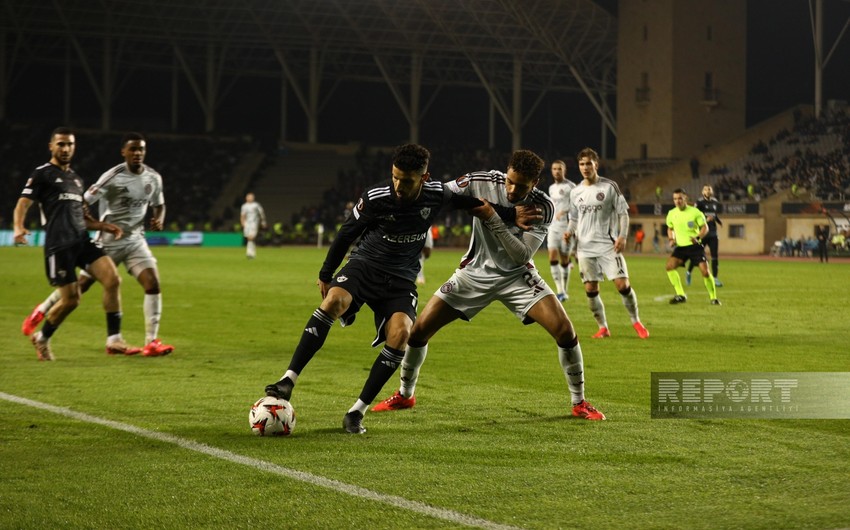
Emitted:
<point x="252" y="217"/>
<point x="123" y="194"/>
<point x="559" y="249"/>
<point x="599" y="219"/>
<point x="498" y="267"/>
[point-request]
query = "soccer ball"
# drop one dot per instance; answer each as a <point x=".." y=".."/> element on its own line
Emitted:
<point x="271" y="416"/>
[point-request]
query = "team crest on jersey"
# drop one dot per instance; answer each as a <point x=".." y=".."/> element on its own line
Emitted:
<point x="463" y="181"/>
<point x="148" y="188"/>
<point x="425" y="212"/>
<point x="600" y="196"/>
<point x="342" y="278"/>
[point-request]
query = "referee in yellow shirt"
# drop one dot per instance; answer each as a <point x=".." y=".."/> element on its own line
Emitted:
<point x="686" y="226"/>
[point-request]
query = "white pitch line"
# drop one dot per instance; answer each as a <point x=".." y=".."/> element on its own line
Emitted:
<point x="331" y="484"/>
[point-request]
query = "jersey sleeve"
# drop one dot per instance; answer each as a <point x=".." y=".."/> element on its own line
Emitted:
<point x="97" y="190"/>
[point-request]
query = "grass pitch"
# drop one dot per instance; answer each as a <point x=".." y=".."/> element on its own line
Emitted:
<point x="490" y="442"/>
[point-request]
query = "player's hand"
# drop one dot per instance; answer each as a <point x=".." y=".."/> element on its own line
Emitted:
<point x="527" y="215"/>
<point x="483" y="212"/>
<point x="620" y="245"/>
<point x="567" y="236"/>
<point x="156" y="224"/>
<point x="324" y="287"/>
<point x="21" y="236"/>
<point x="115" y="230"/>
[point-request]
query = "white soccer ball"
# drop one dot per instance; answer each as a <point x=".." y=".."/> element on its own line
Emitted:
<point x="271" y="416"/>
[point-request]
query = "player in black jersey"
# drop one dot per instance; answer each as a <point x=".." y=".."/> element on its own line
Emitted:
<point x="59" y="192"/>
<point x="391" y="220"/>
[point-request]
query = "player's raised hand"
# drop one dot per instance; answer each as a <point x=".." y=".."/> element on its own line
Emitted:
<point x="527" y="215"/>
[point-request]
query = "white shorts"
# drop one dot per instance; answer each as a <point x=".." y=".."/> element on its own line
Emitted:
<point x="612" y="265"/>
<point x="250" y="230"/>
<point x="470" y="294"/>
<point x="555" y="241"/>
<point x="133" y="253"/>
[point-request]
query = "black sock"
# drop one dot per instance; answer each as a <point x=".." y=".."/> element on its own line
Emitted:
<point x="382" y="370"/>
<point x="48" y="329"/>
<point x="113" y="323"/>
<point x="312" y="339"/>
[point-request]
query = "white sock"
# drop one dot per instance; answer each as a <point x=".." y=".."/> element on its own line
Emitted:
<point x="360" y="407"/>
<point x="557" y="277"/>
<point x="291" y="375"/>
<point x="565" y="274"/>
<point x="49" y="302"/>
<point x="630" y="301"/>
<point x="598" y="310"/>
<point x="410" y="365"/>
<point x="572" y="364"/>
<point x="152" y="307"/>
<point x="252" y="249"/>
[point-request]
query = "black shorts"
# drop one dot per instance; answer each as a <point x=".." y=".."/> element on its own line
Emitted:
<point x="695" y="253"/>
<point x="384" y="293"/>
<point x="61" y="265"/>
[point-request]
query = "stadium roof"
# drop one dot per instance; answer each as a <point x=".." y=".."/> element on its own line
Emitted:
<point x="554" y="45"/>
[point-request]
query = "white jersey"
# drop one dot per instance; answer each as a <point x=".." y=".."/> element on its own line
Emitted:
<point x="254" y="213"/>
<point x="485" y="255"/>
<point x="560" y="194"/>
<point x="125" y="198"/>
<point x="596" y="209"/>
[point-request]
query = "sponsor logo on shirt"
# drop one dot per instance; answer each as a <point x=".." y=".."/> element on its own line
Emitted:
<point x="70" y="197"/>
<point x="403" y="238"/>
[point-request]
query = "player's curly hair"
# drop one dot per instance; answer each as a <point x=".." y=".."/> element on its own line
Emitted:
<point x="526" y="163"/>
<point x="411" y="157"/>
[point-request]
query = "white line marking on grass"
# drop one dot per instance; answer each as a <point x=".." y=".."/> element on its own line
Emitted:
<point x="262" y="465"/>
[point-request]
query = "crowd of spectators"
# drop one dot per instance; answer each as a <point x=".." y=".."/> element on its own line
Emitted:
<point x="814" y="156"/>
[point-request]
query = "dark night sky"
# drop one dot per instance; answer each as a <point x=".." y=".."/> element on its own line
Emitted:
<point x="780" y="74"/>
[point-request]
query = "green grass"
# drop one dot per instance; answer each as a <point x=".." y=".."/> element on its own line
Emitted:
<point x="490" y="437"/>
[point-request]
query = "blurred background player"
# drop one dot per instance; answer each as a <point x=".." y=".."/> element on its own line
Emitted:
<point x="498" y="266"/>
<point x="599" y="218"/>
<point x="559" y="249"/>
<point x="685" y="226"/>
<point x="426" y="253"/>
<point x="252" y="217"/>
<point x="710" y="207"/>
<point x="59" y="192"/>
<point x="124" y="193"/>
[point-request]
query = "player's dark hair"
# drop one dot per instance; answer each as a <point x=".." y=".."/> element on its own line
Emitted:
<point x="681" y="190"/>
<point x="132" y="136"/>
<point x="411" y="157"/>
<point x="589" y="153"/>
<point x="61" y="130"/>
<point x="526" y="163"/>
<point x="559" y="161"/>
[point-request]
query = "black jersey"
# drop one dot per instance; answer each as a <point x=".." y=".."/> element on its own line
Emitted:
<point x="60" y="197"/>
<point x="392" y="234"/>
<point x="708" y="207"/>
